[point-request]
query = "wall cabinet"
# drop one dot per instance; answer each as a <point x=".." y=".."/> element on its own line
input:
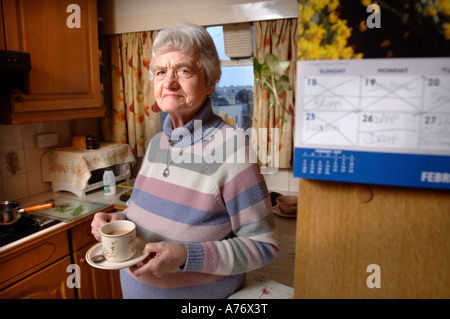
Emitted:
<point x="64" y="81"/>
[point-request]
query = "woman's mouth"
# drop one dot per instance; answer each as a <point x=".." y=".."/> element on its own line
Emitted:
<point x="172" y="96"/>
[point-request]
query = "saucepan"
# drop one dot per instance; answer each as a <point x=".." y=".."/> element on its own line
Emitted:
<point x="10" y="212"/>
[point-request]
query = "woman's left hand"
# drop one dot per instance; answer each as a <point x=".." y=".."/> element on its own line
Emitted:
<point x="163" y="258"/>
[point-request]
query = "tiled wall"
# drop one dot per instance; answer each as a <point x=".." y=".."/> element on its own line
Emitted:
<point x="20" y="158"/>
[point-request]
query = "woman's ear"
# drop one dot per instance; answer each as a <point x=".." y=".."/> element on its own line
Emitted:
<point x="211" y="90"/>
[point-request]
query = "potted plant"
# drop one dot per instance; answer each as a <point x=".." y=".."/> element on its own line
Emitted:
<point x="271" y="75"/>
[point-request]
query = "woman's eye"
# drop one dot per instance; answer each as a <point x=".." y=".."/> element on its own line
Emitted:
<point x="184" y="72"/>
<point x="159" y="73"/>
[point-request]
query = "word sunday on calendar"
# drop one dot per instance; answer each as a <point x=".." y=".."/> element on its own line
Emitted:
<point x="380" y="121"/>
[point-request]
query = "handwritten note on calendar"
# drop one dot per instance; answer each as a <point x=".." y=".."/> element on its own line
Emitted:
<point x="382" y="121"/>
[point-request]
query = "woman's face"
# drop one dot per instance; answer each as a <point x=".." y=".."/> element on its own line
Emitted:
<point x="179" y="85"/>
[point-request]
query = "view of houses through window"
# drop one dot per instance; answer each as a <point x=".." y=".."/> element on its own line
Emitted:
<point x="234" y="92"/>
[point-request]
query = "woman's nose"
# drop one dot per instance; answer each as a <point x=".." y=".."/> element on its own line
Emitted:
<point x="171" y="81"/>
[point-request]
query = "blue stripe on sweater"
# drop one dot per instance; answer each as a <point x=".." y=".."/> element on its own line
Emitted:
<point x="247" y="198"/>
<point x="264" y="251"/>
<point x="178" y="212"/>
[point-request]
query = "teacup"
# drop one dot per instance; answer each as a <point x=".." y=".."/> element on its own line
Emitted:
<point x="118" y="240"/>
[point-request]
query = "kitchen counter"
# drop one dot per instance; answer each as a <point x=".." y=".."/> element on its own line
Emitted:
<point x="94" y="196"/>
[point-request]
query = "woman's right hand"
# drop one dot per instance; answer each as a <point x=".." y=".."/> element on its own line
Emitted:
<point x="101" y="219"/>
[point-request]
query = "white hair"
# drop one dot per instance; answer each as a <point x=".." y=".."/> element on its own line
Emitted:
<point x="189" y="39"/>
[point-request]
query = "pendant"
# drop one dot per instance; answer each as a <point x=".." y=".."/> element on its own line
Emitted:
<point x="166" y="172"/>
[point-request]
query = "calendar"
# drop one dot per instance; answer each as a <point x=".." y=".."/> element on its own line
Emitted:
<point x="380" y="121"/>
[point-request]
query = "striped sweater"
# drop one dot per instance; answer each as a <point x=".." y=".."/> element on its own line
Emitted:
<point x="214" y="200"/>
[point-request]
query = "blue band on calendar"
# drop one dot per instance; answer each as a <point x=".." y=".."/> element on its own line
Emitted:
<point x="397" y="169"/>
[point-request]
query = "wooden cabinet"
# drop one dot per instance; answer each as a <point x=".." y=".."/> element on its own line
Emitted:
<point x="95" y="283"/>
<point x="371" y="241"/>
<point x="42" y="267"/>
<point x="37" y="270"/>
<point x="48" y="283"/>
<point x="64" y="81"/>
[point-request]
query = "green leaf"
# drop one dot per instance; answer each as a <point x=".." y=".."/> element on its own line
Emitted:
<point x="266" y="71"/>
<point x="283" y="84"/>
<point x="268" y="88"/>
<point x="257" y="68"/>
<point x="272" y="75"/>
<point x="281" y="67"/>
<point x="270" y="61"/>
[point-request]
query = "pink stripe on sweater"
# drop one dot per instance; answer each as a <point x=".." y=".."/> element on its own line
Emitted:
<point x="179" y="194"/>
<point x="235" y="186"/>
<point x="253" y="213"/>
<point x="174" y="230"/>
<point x="211" y="257"/>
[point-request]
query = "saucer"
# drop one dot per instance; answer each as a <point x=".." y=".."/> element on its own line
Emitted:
<point x="109" y="265"/>
<point x="277" y="211"/>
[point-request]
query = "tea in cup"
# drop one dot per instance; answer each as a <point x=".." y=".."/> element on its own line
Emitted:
<point x="118" y="240"/>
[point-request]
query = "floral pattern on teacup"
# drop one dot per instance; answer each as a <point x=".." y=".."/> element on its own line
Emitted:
<point x="113" y="250"/>
<point x="132" y="242"/>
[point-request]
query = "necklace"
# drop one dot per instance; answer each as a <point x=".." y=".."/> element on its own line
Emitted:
<point x="166" y="171"/>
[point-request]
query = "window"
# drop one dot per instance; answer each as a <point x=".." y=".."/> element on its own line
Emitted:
<point x="234" y="92"/>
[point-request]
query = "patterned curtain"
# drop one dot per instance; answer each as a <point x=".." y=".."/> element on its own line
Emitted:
<point x="135" y="116"/>
<point x="278" y="37"/>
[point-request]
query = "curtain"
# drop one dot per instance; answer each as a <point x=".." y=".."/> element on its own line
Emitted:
<point x="275" y="126"/>
<point x="135" y="115"/>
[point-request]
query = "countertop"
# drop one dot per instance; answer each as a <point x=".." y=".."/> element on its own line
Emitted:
<point x="94" y="196"/>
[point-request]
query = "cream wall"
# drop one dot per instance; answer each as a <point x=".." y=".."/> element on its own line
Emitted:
<point x="121" y="16"/>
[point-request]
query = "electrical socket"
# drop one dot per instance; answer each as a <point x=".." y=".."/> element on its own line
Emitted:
<point x="47" y="140"/>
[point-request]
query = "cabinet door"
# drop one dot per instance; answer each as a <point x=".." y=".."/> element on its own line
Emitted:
<point x="64" y="61"/>
<point x="48" y="283"/>
<point x="372" y="241"/>
<point x="96" y="283"/>
<point x="23" y="262"/>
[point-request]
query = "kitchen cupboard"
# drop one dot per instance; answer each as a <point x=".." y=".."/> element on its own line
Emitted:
<point x="92" y="279"/>
<point x="42" y="285"/>
<point x="24" y="270"/>
<point x="41" y="267"/>
<point x="372" y="241"/>
<point x="64" y="81"/>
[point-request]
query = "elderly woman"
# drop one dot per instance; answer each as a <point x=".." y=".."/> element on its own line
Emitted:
<point x="201" y="204"/>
